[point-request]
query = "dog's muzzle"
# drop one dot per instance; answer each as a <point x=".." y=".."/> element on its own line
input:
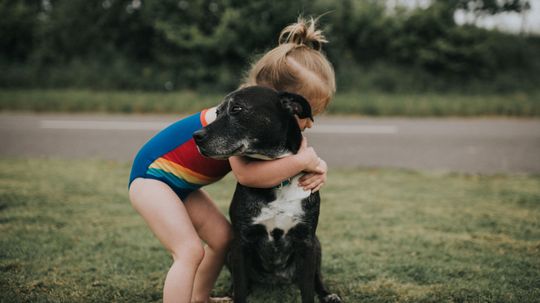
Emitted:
<point x="199" y="136"/>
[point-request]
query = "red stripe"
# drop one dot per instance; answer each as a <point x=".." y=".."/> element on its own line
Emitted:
<point x="188" y="156"/>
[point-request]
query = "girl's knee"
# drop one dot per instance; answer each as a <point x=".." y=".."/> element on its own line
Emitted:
<point x="191" y="251"/>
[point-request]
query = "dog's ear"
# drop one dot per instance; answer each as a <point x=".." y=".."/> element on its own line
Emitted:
<point x="295" y="105"/>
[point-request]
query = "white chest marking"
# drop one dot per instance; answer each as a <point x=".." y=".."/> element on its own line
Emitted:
<point x="286" y="211"/>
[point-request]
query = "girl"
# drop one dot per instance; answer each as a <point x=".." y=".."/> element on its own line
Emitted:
<point x="168" y="171"/>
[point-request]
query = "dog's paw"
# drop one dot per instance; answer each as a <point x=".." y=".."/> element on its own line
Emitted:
<point x="331" y="298"/>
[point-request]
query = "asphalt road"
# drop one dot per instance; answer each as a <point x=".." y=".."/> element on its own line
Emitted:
<point x="453" y="144"/>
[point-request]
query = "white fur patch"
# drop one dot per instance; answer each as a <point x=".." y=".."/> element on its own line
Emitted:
<point x="286" y="211"/>
<point x="332" y="298"/>
<point x="210" y="115"/>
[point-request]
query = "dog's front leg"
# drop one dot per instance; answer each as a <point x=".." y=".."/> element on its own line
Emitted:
<point x="239" y="273"/>
<point x="305" y="270"/>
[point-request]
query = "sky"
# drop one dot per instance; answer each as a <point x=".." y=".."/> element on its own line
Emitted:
<point x="511" y="22"/>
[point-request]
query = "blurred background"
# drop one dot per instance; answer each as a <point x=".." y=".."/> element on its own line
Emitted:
<point x="433" y="142"/>
<point x="406" y="58"/>
<point x="395" y="46"/>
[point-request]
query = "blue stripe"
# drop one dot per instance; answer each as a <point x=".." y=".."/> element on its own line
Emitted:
<point x="166" y="140"/>
<point x="173" y="179"/>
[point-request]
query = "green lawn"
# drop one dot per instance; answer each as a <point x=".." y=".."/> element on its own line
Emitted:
<point x="369" y="103"/>
<point x="69" y="234"/>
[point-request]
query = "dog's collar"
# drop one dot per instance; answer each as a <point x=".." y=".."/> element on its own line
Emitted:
<point x="282" y="184"/>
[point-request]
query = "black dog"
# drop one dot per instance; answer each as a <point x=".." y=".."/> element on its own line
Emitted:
<point x="274" y="229"/>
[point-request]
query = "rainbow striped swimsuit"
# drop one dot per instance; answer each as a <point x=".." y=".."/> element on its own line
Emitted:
<point x="172" y="157"/>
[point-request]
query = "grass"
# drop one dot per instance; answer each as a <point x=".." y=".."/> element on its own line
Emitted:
<point x="371" y="103"/>
<point x="69" y="234"/>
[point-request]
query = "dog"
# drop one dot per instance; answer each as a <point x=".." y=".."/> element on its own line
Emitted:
<point x="274" y="228"/>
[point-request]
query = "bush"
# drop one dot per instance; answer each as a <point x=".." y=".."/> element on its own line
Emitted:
<point x="208" y="44"/>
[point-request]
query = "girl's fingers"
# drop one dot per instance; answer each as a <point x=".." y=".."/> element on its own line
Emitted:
<point x="313" y="183"/>
<point x="316" y="186"/>
<point x="305" y="177"/>
<point x="308" y="181"/>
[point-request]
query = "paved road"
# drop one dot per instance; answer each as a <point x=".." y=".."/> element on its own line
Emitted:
<point x="462" y="145"/>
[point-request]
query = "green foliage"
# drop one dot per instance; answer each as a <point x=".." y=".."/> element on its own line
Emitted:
<point x="209" y="44"/>
<point x="491" y="7"/>
<point x="427" y="45"/>
<point x="18" y="26"/>
<point x="212" y="40"/>
<point x="71" y="235"/>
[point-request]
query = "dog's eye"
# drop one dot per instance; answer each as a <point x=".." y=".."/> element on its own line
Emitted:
<point x="236" y="109"/>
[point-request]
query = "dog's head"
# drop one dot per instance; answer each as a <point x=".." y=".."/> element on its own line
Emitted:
<point x="257" y="122"/>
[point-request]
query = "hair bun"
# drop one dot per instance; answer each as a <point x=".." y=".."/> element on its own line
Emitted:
<point x="303" y="32"/>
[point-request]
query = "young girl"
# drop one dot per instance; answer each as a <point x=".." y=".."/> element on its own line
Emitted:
<point x="168" y="171"/>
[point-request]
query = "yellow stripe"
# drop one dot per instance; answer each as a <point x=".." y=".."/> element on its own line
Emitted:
<point x="181" y="172"/>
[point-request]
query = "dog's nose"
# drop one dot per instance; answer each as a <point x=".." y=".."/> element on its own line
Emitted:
<point x="199" y="135"/>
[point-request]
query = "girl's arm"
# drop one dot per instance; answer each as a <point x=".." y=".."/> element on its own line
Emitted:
<point x="265" y="174"/>
<point x="314" y="181"/>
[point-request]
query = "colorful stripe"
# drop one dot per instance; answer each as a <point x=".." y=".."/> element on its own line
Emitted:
<point x="203" y="118"/>
<point x="172" y="157"/>
<point x="187" y="155"/>
<point x="181" y="172"/>
<point x="171" y="178"/>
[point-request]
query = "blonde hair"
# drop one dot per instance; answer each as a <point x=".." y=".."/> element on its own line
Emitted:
<point x="297" y="65"/>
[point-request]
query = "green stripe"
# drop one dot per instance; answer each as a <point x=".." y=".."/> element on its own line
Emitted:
<point x="172" y="178"/>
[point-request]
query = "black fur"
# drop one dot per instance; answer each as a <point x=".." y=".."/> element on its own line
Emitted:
<point x="260" y="122"/>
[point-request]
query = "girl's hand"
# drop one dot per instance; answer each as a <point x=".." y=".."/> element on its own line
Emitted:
<point x="265" y="174"/>
<point x="314" y="181"/>
<point x="309" y="158"/>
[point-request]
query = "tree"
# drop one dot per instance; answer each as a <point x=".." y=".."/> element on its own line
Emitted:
<point x="212" y="41"/>
<point x="489" y="7"/>
<point x="18" y="23"/>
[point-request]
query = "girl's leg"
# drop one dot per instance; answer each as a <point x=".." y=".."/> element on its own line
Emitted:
<point x="216" y="232"/>
<point x="168" y="219"/>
